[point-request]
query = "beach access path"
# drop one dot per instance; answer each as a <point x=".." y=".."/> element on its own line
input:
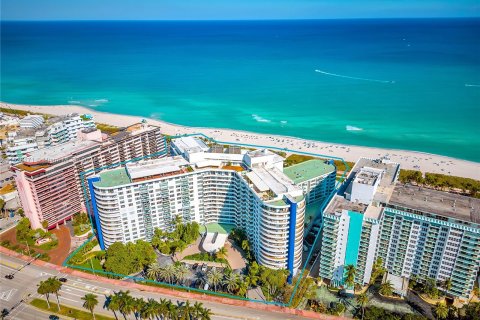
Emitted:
<point x="407" y="159"/>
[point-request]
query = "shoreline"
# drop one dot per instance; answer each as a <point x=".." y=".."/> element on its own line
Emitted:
<point x="426" y="162"/>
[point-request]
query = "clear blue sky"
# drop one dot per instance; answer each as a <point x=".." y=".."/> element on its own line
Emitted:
<point x="232" y="9"/>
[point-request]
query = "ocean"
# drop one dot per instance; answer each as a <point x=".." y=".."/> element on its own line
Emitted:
<point x="396" y="83"/>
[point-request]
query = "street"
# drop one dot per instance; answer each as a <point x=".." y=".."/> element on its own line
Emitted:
<point x="26" y="280"/>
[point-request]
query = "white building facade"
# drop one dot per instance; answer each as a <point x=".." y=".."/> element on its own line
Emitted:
<point x="129" y="203"/>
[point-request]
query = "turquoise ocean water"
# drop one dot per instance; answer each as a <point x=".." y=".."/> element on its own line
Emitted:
<point x="406" y="84"/>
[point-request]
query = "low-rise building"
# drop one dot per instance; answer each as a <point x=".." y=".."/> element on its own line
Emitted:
<point x="31" y="121"/>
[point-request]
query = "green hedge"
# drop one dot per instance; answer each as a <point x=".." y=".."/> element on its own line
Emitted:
<point x="204" y="256"/>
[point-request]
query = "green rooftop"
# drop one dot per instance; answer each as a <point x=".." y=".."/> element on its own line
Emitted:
<point x="278" y="202"/>
<point x="307" y="170"/>
<point x="112" y="178"/>
<point x="219" y="227"/>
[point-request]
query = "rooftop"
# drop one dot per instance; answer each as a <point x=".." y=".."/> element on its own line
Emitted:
<point x="339" y="203"/>
<point x="189" y="144"/>
<point x="362" y="170"/>
<point x="111" y="178"/>
<point x="58" y="151"/>
<point x="308" y="170"/>
<point x="220" y="227"/>
<point x="156" y="167"/>
<point x="387" y="183"/>
<point x="436" y="202"/>
<point x="368" y="176"/>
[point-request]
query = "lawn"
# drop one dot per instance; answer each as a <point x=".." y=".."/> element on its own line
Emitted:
<point x="95" y="262"/>
<point x="66" y="311"/>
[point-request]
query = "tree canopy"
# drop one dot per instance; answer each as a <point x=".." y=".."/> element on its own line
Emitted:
<point x="128" y="258"/>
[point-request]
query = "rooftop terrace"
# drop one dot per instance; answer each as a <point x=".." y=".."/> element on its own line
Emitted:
<point x="112" y="178"/>
<point x="436" y="202"/>
<point x="307" y="170"/>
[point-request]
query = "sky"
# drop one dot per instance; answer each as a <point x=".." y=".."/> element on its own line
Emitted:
<point x="233" y="9"/>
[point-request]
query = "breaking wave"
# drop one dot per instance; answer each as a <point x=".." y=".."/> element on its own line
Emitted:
<point x="260" y="119"/>
<point x="352" y="128"/>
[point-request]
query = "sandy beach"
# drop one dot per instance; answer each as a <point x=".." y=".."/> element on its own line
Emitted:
<point x="408" y="159"/>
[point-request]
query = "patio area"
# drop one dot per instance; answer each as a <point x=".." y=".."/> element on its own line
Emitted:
<point x="234" y="256"/>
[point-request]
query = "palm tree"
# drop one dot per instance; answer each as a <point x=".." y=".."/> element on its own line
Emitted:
<point x="197" y="309"/>
<point x="153" y="271"/>
<point x="54" y="285"/>
<point x="172" y="310"/>
<point x="138" y="305"/>
<point x="386" y="288"/>
<point x="43" y="289"/>
<point x="168" y="273"/>
<point x="181" y="272"/>
<point x="114" y="303"/>
<point x="231" y="282"/>
<point x="127" y="303"/>
<point x="150" y="309"/>
<point x="246" y="248"/>
<point x="350" y="276"/>
<point x="185" y="310"/>
<point x="362" y="300"/>
<point x="222" y="253"/>
<point x="440" y="310"/>
<point x="163" y="308"/>
<point x="214" y="278"/>
<point x="206" y="314"/>
<point x="90" y="301"/>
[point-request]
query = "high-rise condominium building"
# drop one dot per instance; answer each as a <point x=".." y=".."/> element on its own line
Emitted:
<point x="416" y="231"/>
<point x="351" y="221"/>
<point x="249" y="190"/>
<point x="48" y="180"/>
<point x="432" y="234"/>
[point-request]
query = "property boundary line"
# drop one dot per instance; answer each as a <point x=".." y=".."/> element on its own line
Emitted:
<point x="338" y="183"/>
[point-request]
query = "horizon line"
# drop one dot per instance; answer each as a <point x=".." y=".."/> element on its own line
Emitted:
<point x="223" y="20"/>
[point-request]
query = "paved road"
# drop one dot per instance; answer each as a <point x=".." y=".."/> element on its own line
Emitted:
<point x="26" y="280"/>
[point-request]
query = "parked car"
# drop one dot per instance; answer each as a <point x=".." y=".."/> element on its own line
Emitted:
<point x="53" y="317"/>
<point x="204" y="267"/>
<point x="195" y="266"/>
<point x="305" y="248"/>
<point x="9" y="276"/>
